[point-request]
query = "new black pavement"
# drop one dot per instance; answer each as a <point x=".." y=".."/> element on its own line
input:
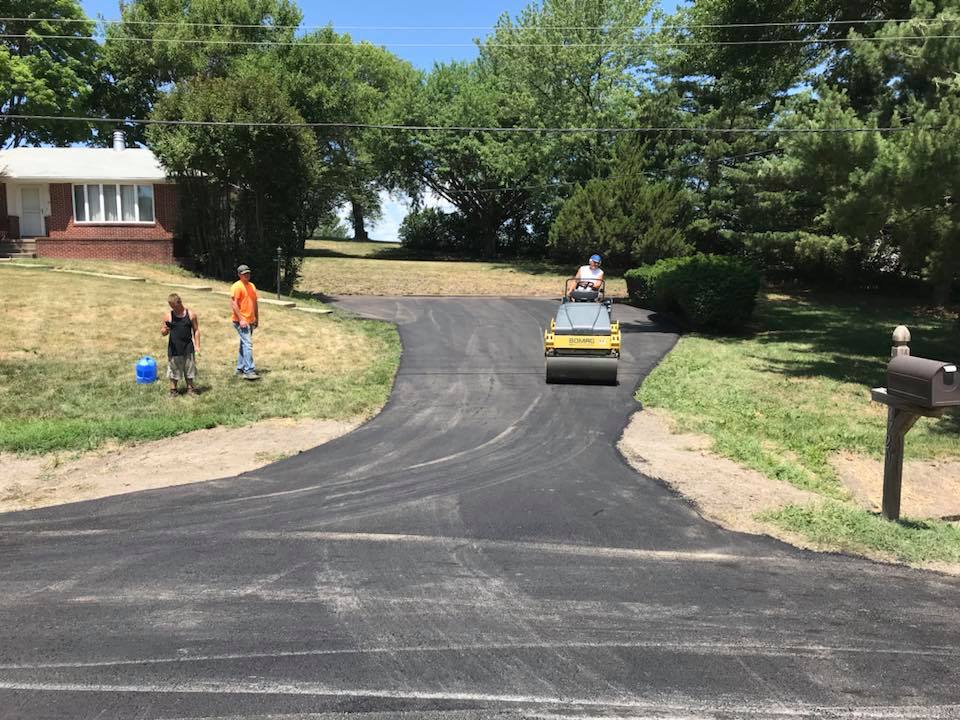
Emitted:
<point x="479" y="549"/>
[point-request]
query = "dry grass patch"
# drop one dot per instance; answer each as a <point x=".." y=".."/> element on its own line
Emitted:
<point x="155" y="272"/>
<point x="340" y="267"/>
<point x="352" y="248"/>
<point x="67" y="364"/>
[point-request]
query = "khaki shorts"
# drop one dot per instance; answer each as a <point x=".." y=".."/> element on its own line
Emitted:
<point x="181" y="366"/>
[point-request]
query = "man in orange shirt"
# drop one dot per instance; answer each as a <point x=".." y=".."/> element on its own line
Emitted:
<point x="246" y="316"/>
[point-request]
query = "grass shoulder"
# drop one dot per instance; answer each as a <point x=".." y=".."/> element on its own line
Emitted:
<point x="788" y="398"/>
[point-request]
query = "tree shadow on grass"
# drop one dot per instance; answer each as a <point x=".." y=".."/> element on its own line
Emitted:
<point x="325" y="253"/>
<point x="318" y="296"/>
<point x="949" y="424"/>
<point x="535" y="267"/>
<point x="386" y="253"/>
<point x="848" y="338"/>
<point x="655" y="323"/>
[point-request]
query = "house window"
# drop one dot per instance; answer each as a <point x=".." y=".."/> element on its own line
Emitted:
<point x="112" y="203"/>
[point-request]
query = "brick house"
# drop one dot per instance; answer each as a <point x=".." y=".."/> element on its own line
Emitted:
<point x="89" y="203"/>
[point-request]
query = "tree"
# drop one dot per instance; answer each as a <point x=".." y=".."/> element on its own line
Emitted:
<point x="627" y="219"/>
<point x="483" y="174"/>
<point x="44" y="75"/>
<point x="331" y="227"/>
<point x="332" y="80"/>
<point x="870" y="200"/>
<point x="718" y="73"/>
<point x="160" y="43"/>
<point x="568" y="64"/>
<point x="246" y="190"/>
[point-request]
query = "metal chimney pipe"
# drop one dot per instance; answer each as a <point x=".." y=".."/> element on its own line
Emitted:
<point x="119" y="140"/>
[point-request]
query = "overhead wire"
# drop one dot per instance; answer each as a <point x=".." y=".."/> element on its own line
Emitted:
<point x="445" y="28"/>
<point x="472" y="129"/>
<point x="553" y="46"/>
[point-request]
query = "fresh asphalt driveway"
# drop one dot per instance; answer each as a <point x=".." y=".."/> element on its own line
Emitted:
<point x="479" y="549"/>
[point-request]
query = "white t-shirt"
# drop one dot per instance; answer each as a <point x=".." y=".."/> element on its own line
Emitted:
<point x="588" y="273"/>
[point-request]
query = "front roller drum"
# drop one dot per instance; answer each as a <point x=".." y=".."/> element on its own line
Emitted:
<point x="593" y="370"/>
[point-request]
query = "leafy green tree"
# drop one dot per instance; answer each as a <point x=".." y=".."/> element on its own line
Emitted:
<point x="568" y="64"/>
<point x="331" y="227"/>
<point x="716" y="72"/>
<point x="333" y="80"/>
<point x="160" y="43"/>
<point x="490" y="177"/>
<point x="246" y="190"/>
<point x="434" y="230"/>
<point x="561" y="63"/>
<point x="43" y="75"/>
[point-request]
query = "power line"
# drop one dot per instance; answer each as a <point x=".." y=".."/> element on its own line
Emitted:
<point x="554" y="46"/>
<point x="465" y="128"/>
<point x="419" y="28"/>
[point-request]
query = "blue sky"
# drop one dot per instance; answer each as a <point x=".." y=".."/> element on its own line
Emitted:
<point x="474" y="14"/>
<point x="422" y="13"/>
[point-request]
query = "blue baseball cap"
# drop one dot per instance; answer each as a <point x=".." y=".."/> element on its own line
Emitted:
<point x="595" y="258"/>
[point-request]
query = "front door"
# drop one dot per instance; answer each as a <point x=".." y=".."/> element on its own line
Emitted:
<point x="31" y="212"/>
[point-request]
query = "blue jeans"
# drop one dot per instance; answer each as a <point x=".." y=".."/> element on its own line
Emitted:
<point x="245" y="354"/>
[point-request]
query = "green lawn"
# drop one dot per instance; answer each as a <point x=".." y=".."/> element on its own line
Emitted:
<point x="785" y="398"/>
<point x="67" y="364"/>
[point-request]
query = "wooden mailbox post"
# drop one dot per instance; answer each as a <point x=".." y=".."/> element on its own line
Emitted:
<point x="901" y="416"/>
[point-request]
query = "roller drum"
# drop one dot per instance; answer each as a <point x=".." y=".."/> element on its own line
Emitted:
<point x="593" y="370"/>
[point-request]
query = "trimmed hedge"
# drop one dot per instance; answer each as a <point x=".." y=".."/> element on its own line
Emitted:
<point x="712" y="293"/>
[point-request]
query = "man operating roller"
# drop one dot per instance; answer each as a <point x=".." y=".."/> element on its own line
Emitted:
<point x="589" y="276"/>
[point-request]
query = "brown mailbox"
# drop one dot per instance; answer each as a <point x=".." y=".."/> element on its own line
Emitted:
<point x="926" y="383"/>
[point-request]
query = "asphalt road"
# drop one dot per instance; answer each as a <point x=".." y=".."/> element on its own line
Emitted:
<point x="477" y="550"/>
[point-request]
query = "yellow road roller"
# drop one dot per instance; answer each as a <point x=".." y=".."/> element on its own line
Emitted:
<point x="582" y="344"/>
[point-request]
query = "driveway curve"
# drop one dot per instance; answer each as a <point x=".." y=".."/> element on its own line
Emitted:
<point x="479" y="549"/>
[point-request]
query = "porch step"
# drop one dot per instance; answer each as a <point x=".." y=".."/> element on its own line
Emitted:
<point x="8" y="252"/>
<point x="18" y="248"/>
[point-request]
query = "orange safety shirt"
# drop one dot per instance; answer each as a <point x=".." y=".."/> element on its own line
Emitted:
<point x="245" y="295"/>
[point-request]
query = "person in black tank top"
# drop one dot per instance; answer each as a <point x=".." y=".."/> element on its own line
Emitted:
<point x="182" y="329"/>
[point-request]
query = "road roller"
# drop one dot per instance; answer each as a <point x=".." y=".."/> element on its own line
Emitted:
<point x="582" y="344"/>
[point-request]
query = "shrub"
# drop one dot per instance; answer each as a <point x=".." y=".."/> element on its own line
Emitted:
<point x="712" y="293"/>
<point x="433" y="230"/>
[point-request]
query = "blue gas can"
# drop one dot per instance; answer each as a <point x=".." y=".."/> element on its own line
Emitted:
<point x="146" y="370"/>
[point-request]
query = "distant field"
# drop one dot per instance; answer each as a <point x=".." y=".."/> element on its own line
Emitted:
<point x="345" y="267"/>
<point x="67" y="363"/>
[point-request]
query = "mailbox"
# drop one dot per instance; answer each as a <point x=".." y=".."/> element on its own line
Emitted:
<point x="926" y="383"/>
